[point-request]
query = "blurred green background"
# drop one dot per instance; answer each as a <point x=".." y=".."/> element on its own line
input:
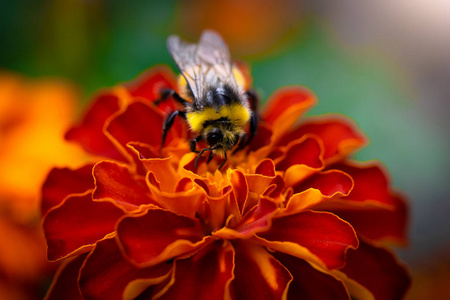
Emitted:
<point x="97" y="44"/>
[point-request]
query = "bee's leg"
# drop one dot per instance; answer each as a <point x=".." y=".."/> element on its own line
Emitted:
<point x="169" y="122"/>
<point x="211" y="155"/>
<point x="199" y="155"/>
<point x="193" y="143"/>
<point x="226" y="158"/>
<point x="167" y="93"/>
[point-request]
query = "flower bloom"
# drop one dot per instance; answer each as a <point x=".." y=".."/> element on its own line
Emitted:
<point x="291" y="216"/>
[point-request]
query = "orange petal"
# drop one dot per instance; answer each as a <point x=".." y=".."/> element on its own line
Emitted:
<point x="114" y="181"/>
<point x="319" y="188"/>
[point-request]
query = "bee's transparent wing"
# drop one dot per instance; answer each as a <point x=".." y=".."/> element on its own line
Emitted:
<point x="204" y="63"/>
<point x="185" y="56"/>
<point x="215" y="57"/>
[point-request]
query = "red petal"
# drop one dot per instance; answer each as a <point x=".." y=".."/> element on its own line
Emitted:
<point x="158" y="235"/>
<point x="140" y="122"/>
<point x="304" y="152"/>
<point x="62" y="182"/>
<point x="286" y="105"/>
<point x="371" y="207"/>
<point x="371" y="183"/>
<point x="302" y="159"/>
<point x="114" y="181"/>
<point x="377" y="270"/>
<point x="256" y="220"/>
<point x="323" y="234"/>
<point x="78" y="223"/>
<point x="262" y="137"/>
<point x="106" y="274"/>
<point x="319" y="189"/>
<point x="310" y="283"/>
<point x="89" y="134"/>
<point x="329" y="183"/>
<point x="65" y="284"/>
<point x="240" y="189"/>
<point x="150" y="83"/>
<point x="258" y="275"/>
<point x="379" y="224"/>
<point x="205" y="275"/>
<point x="266" y="168"/>
<point x="339" y="135"/>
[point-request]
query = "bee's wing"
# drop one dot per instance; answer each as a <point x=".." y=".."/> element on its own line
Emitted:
<point x="204" y="63"/>
<point x="215" y="56"/>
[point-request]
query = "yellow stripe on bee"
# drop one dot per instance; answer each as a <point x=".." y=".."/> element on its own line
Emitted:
<point x="237" y="114"/>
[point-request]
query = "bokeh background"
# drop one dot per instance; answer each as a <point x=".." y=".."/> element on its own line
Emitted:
<point x="386" y="64"/>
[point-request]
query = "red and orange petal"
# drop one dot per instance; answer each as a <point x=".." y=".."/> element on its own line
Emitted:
<point x="374" y="210"/>
<point x="77" y="224"/>
<point x="98" y="276"/>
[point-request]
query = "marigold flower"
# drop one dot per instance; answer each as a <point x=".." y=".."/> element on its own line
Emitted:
<point x="291" y="216"/>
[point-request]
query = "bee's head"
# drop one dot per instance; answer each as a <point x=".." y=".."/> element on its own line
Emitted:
<point x="220" y="139"/>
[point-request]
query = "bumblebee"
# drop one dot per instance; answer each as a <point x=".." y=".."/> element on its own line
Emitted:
<point x="216" y="105"/>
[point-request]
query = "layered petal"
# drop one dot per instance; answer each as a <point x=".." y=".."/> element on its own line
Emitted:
<point x="205" y="275"/>
<point x="339" y="135"/>
<point x="257" y="274"/>
<point x="318" y="189"/>
<point x="371" y="207"/>
<point x="285" y="106"/>
<point x="377" y="270"/>
<point x="158" y="235"/>
<point x="89" y="133"/>
<point x="319" y="237"/>
<point x="62" y="182"/>
<point x="116" y="182"/>
<point x="310" y="283"/>
<point x="77" y="224"/>
<point x="98" y="276"/>
<point x="65" y="283"/>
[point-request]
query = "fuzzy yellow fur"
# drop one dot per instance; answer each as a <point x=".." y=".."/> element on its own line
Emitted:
<point x="237" y="114"/>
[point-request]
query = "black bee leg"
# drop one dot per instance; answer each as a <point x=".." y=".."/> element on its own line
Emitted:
<point x="226" y="158"/>
<point x="253" y="128"/>
<point x="168" y="124"/>
<point x="211" y="155"/>
<point x="198" y="157"/>
<point x="167" y="93"/>
<point x="194" y="142"/>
